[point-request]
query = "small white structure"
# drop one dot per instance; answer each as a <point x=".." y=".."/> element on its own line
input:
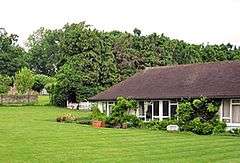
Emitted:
<point x="80" y="106"/>
<point x="172" y="128"/>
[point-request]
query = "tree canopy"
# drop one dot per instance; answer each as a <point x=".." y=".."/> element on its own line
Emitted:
<point x="12" y="56"/>
<point x="85" y="60"/>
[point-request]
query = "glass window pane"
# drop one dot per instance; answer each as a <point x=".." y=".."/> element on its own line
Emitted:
<point x="226" y="108"/>
<point x="236" y="101"/>
<point x="173" y="110"/>
<point x="149" y="112"/>
<point x="141" y="108"/>
<point x="165" y="108"/>
<point x="104" y="107"/>
<point x="156" y="108"/>
<point x="110" y="109"/>
<point x="236" y="113"/>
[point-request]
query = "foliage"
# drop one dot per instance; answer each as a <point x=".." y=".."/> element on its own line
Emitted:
<point x="88" y="61"/>
<point x="44" y="52"/>
<point x="132" y="121"/>
<point x="121" y="110"/>
<point x="97" y="115"/>
<point x="5" y="82"/>
<point x="24" y="80"/>
<point x="235" y="131"/>
<point x="219" y="127"/>
<point x="159" y="125"/>
<point x="39" y="82"/>
<point x="200" y="116"/>
<point x="69" y="118"/>
<point x="12" y="56"/>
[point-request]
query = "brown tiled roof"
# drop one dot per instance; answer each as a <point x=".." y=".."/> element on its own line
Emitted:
<point x="213" y="80"/>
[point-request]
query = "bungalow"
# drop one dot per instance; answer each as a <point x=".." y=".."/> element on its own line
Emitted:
<point x="159" y="89"/>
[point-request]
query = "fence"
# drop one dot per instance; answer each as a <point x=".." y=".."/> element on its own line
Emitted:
<point x="18" y="99"/>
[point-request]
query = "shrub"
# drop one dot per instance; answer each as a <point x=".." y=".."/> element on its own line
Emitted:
<point x="24" y="80"/>
<point x="219" y="127"/>
<point x="5" y="82"/>
<point x="235" y="131"/>
<point x="66" y="118"/>
<point x="200" y="116"/>
<point x="184" y="114"/>
<point x="84" y="121"/>
<point x="132" y="121"/>
<point x="201" y="128"/>
<point x="120" y="112"/>
<point x="159" y="125"/>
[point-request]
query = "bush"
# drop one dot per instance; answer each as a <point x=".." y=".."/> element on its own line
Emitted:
<point x="5" y="82"/>
<point x="159" y="125"/>
<point x="132" y="121"/>
<point x="120" y="113"/>
<point x="235" y="131"/>
<point x="84" y="121"/>
<point x="200" y="116"/>
<point x="201" y="128"/>
<point x="69" y="118"/>
<point x="219" y="127"/>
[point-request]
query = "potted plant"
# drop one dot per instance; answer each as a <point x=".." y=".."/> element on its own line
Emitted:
<point x="98" y="118"/>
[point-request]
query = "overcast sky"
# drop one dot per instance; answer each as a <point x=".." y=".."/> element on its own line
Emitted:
<point x="195" y="21"/>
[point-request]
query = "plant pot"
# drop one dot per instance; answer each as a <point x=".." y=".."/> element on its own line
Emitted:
<point x="124" y="125"/>
<point x="98" y="124"/>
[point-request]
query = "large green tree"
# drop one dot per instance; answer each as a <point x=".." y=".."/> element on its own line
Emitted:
<point x="86" y="60"/>
<point x="44" y="54"/>
<point x="12" y="56"/>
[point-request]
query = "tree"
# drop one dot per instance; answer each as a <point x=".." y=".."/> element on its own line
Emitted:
<point x="12" y="57"/>
<point x="39" y="82"/>
<point x="5" y="82"/>
<point x="83" y="76"/>
<point x="86" y="60"/>
<point x="44" y="56"/>
<point x="24" y="80"/>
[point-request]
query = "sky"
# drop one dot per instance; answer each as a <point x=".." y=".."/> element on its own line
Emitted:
<point x="194" y="21"/>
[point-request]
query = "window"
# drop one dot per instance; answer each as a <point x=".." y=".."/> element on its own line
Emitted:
<point x="235" y="111"/>
<point x="169" y="108"/>
<point x="173" y="110"/>
<point x="104" y="107"/>
<point x="165" y="108"/>
<point x="141" y="108"/>
<point x="235" y="101"/>
<point x="231" y="111"/>
<point x="110" y="105"/>
<point x="156" y="108"/>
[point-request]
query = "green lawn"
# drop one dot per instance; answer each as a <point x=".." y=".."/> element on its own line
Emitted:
<point x="43" y="100"/>
<point x="30" y="134"/>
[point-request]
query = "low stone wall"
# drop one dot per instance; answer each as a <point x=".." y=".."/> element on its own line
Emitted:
<point x="18" y="99"/>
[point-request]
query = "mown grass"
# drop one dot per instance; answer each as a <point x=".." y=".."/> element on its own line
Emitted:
<point x="43" y="100"/>
<point x="30" y="134"/>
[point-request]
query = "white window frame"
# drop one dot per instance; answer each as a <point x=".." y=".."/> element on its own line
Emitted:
<point x="169" y="109"/>
<point x="109" y="103"/>
<point x="160" y="116"/>
<point x="231" y="105"/>
<point x="230" y="113"/>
